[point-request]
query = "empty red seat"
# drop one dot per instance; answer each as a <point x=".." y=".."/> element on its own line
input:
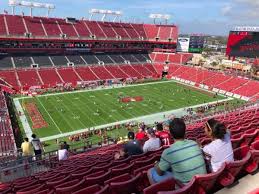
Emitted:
<point x="125" y="187"/>
<point x="250" y="135"/>
<point x="166" y="185"/>
<point x="237" y="140"/>
<point x="123" y="184"/>
<point x="70" y="186"/>
<point x="190" y="188"/>
<point x="233" y="168"/>
<point x="32" y="189"/>
<point x="119" y="171"/>
<point x="255" y="152"/>
<point x="207" y="181"/>
<point x="97" y="178"/>
<point x="94" y="189"/>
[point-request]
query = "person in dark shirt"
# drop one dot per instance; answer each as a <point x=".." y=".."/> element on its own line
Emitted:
<point x="66" y="146"/>
<point x="133" y="147"/>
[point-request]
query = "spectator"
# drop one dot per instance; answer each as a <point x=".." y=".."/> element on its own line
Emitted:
<point x="184" y="158"/>
<point x="26" y="148"/>
<point x="153" y="143"/>
<point x="163" y="135"/>
<point x="66" y="146"/>
<point x="220" y="149"/>
<point x="141" y="135"/>
<point x="62" y="153"/>
<point x="133" y="147"/>
<point x="37" y="146"/>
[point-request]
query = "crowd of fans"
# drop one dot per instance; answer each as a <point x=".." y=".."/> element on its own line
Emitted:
<point x="183" y="158"/>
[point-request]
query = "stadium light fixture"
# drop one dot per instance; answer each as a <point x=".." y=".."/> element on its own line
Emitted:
<point x="31" y="5"/>
<point x="165" y="17"/>
<point x="104" y="13"/>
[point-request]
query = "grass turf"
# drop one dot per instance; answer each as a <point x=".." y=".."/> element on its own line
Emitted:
<point x="73" y="111"/>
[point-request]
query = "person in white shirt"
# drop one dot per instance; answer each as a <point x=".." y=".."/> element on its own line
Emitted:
<point x="62" y="153"/>
<point x="220" y="149"/>
<point x="153" y="143"/>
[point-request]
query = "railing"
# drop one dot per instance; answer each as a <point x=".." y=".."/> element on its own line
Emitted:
<point x="27" y="166"/>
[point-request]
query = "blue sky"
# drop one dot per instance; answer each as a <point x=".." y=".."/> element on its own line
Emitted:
<point x="215" y="17"/>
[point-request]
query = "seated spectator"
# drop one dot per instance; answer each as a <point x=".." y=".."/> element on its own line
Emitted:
<point x="163" y="135"/>
<point x="133" y="147"/>
<point x="141" y="135"/>
<point x="62" y="153"/>
<point x="184" y="158"/>
<point x="220" y="149"/>
<point x="66" y="146"/>
<point x="153" y="143"/>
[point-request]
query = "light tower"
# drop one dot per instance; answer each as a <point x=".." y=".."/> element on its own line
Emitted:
<point x="164" y="17"/>
<point x="104" y="13"/>
<point x="31" y="5"/>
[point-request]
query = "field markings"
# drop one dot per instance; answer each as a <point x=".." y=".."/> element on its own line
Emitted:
<point x="110" y="102"/>
<point x="24" y="120"/>
<point x="75" y="104"/>
<point x="50" y="116"/>
<point x="148" y="119"/>
<point x="98" y="89"/>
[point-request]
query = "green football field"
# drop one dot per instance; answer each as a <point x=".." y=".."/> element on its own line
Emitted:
<point x="68" y="112"/>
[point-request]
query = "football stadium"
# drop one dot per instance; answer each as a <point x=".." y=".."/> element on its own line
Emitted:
<point x="114" y="106"/>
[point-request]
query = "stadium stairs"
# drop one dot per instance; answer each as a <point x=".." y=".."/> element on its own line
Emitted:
<point x="97" y="172"/>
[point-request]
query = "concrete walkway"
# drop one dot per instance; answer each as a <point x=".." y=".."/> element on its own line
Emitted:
<point x="244" y="186"/>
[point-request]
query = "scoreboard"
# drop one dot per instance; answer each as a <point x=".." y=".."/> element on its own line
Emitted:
<point x="196" y="44"/>
<point x="243" y="43"/>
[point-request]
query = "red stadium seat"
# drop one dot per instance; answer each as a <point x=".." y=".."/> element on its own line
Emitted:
<point x="207" y="181"/>
<point x="92" y="189"/>
<point x="250" y="135"/>
<point x="124" y="187"/>
<point x="97" y="178"/>
<point x="118" y="171"/>
<point x="251" y="165"/>
<point x="190" y="188"/>
<point x="32" y="189"/>
<point x="55" y="183"/>
<point x="70" y="186"/>
<point x="237" y="140"/>
<point x="232" y="170"/>
<point x="166" y="185"/>
<point x="255" y="152"/>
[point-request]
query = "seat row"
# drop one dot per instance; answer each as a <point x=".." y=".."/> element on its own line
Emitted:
<point x="213" y="79"/>
<point x="50" y="77"/>
<point x="15" y="25"/>
<point x="246" y="161"/>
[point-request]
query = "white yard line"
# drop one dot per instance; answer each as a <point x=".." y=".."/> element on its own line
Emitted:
<point x="97" y="89"/>
<point x="50" y="116"/>
<point x="25" y="123"/>
<point x="148" y="119"/>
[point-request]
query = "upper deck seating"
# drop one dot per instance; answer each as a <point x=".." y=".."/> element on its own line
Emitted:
<point x="59" y="60"/>
<point x="34" y="26"/>
<point x="15" y="25"/>
<point x="22" y="61"/>
<point x="76" y="59"/>
<point x="5" y="62"/>
<point x="42" y="61"/>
